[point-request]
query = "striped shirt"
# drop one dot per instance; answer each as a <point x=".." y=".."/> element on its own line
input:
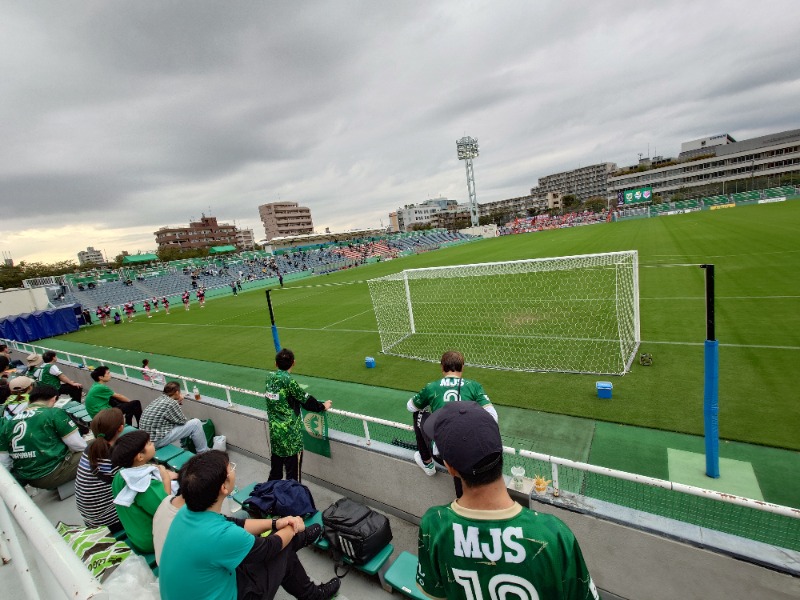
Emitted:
<point x="93" y="492"/>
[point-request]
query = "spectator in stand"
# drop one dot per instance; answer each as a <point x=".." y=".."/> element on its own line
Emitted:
<point x="19" y="388"/>
<point x="164" y="420"/>
<point x="41" y="445"/>
<point x="101" y="397"/>
<point x="212" y="548"/>
<point x="539" y="556"/>
<point x="93" y="493"/>
<point x="452" y="387"/>
<point x="284" y="398"/>
<point x="138" y="487"/>
<point x="34" y="362"/>
<point x="6" y="351"/>
<point x="48" y="373"/>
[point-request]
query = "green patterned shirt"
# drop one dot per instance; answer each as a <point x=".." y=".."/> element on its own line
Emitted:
<point x="283" y="394"/>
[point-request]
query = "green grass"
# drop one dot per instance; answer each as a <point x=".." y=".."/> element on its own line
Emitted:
<point x="757" y="258"/>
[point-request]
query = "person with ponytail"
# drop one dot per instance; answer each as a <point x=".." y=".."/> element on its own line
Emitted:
<point x="93" y="493"/>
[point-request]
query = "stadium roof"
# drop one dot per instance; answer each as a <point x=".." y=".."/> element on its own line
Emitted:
<point x="222" y="249"/>
<point x="138" y="259"/>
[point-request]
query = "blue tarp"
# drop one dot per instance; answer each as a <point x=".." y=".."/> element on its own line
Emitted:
<point x="40" y="324"/>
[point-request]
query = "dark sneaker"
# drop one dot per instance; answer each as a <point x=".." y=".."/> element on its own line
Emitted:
<point x="312" y="534"/>
<point x="329" y="589"/>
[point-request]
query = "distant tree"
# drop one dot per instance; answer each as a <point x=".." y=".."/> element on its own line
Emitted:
<point x="12" y="276"/>
<point x="595" y="204"/>
<point x="570" y="202"/>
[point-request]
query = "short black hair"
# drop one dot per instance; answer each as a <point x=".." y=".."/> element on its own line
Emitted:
<point x="99" y="372"/>
<point x="3" y="347"/>
<point x="127" y="447"/>
<point x="42" y="392"/>
<point x="202" y="477"/>
<point x="48" y="356"/>
<point x="171" y="388"/>
<point x="493" y="474"/>
<point x="284" y="359"/>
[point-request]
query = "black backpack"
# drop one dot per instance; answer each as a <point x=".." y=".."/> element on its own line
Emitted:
<point x="355" y="531"/>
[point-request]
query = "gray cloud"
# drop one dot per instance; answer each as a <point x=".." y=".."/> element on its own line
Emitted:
<point x="131" y="116"/>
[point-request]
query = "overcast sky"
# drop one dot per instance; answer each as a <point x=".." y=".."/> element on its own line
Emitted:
<point x="117" y="118"/>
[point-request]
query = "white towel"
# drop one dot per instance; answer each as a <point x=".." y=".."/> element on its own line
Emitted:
<point x="137" y="479"/>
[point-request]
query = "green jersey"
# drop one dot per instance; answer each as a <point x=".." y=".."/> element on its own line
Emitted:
<point x="44" y="376"/>
<point x="33" y="440"/>
<point x="478" y="554"/>
<point x="283" y="394"/>
<point x="448" y="389"/>
<point x="98" y="398"/>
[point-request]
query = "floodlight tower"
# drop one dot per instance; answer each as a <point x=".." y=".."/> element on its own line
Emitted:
<point x="467" y="150"/>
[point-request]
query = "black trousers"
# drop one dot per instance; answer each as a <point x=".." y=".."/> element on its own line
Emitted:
<point x="424" y="447"/>
<point x="129" y="409"/>
<point x="261" y="582"/>
<point x="292" y="464"/>
<point x="73" y="391"/>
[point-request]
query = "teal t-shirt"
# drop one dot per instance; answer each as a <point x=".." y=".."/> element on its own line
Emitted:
<point x="517" y="552"/>
<point x="98" y="398"/>
<point x="200" y="556"/>
<point x="449" y="389"/>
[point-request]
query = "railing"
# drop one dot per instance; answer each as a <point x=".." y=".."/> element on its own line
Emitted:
<point x="64" y="566"/>
<point x="749" y="518"/>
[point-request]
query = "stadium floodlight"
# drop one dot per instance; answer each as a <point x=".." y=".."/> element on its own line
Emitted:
<point x="467" y="148"/>
<point x="571" y="314"/>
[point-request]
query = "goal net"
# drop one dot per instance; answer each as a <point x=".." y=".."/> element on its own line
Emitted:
<point x="574" y="314"/>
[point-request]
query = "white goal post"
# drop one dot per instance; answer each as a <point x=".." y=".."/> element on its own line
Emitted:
<point x="572" y="314"/>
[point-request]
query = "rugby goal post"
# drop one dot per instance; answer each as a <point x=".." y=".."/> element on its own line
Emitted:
<point x="572" y="314"/>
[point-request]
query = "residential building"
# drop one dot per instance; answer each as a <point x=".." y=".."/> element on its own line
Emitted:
<point x="205" y="233"/>
<point x="512" y="206"/>
<point x="411" y="215"/>
<point x="583" y="183"/>
<point x="90" y="256"/>
<point x="282" y="219"/>
<point x="245" y="240"/>
<point x="721" y="165"/>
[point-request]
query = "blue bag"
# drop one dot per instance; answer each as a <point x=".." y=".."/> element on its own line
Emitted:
<point x="283" y="497"/>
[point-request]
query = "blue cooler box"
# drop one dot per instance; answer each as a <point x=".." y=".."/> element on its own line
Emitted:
<point x="369" y="362"/>
<point x="604" y="390"/>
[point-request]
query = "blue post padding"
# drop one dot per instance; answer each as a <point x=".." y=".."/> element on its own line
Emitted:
<point x="711" y="407"/>
<point x="275" y="339"/>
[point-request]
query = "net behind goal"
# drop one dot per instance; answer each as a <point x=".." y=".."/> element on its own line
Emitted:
<point x="576" y="314"/>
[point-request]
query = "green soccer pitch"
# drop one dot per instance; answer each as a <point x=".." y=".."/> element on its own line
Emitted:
<point x="332" y="328"/>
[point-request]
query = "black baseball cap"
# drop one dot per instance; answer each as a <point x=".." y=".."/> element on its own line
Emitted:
<point x="465" y="435"/>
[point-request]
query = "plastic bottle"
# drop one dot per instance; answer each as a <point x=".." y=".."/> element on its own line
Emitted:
<point x="196" y="392"/>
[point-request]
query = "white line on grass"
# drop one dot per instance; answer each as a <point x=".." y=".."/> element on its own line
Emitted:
<point x="348" y="318"/>
<point x="753" y="346"/>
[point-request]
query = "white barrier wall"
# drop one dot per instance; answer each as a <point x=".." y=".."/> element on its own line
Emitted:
<point x="22" y="301"/>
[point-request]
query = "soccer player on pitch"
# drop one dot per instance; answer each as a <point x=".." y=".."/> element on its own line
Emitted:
<point x="484" y="544"/>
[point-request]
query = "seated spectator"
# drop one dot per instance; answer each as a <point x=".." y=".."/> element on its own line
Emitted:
<point x="202" y="542"/>
<point x="93" y="493"/>
<point x="138" y="487"/>
<point x="6" y="351"/>
<point x="150" y="374"/>
<point x="18" y="400"/>
<point x="34" y="361"/>
<point x="41" y="444"/>
<point x="164" y="420"/>
<point x="101" y="397"/>
<point x="542" y="557"/>
<point x="48" y="373"/>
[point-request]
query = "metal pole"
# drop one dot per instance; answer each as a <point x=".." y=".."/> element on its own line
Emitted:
<point x="711" y="384"/>
<point x="275" y="339"/>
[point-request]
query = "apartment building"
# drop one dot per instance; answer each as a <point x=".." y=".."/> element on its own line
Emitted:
<point x="583" y="183"/>
<point x="281" y="219"/>
<point x="205" y="233"/>
<point x="90" y="256"/>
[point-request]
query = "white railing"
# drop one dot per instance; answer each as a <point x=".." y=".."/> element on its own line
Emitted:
<point x="64" y="566"/>
<point x="554" y="461"/>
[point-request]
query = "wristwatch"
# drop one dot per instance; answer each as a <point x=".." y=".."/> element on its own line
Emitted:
<point x="274" y="525"/>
